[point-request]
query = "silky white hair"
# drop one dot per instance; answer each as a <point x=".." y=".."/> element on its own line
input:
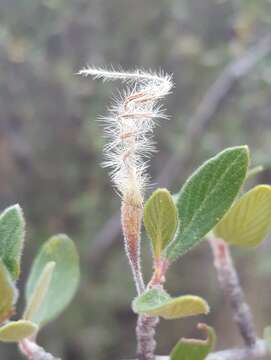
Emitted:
<point x="129" y="126"/>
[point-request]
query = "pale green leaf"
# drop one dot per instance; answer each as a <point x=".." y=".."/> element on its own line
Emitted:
<point x="248" y="221"/>
<point x="15" y="331"/>
<point x="61" y="250"/>
<point x="254" y="171"/>
<point x="206" y="196"/>
<point x="11" y="238"/>
<point x="40" y="291"/>
<point x="267" y="337"/>
<point x="8" y="293"/>
<point x="160" y="219"/>
<point x="156" y="302"/>
<point x="193" y="349"/>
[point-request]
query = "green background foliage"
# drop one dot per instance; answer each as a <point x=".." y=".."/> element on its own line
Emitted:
<point x="59" y="251"/>
<point x="50" y="148"/>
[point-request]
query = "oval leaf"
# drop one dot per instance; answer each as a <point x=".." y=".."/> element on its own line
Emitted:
<point x="11" y="238"/>
<point x="40" y="291"/>
<point x="8" y="293"/>
<point x="61" y="250"/>
<point x="248" y="221"/>
<point x="15" y="331"/>
<point x="193" y="349"/>
<point x="156" y="302"/>
<point x="160" y="219"/>
<point x="206" y="196"/>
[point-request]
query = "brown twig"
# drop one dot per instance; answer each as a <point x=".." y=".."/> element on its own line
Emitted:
<point x="207" y="109"/>
<point x="259" y="350"/>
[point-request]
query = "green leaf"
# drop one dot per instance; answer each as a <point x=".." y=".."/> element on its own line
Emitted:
<point x="193" y="349"/>
<point x="267" y="337"/>
<point x="15" y="331"/>
<point x="8" y="293"/>
<point x="160" y="219"/>
<point x="248" y="221"/>
<point x="40" y="291"/>
<point x="206" y="196"/>
<point x="157" y="302"/>
<point x="11" y="238"/>
<point x="60" y="250"/>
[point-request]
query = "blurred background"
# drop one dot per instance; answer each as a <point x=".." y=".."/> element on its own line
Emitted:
<point x="51" y="147"/>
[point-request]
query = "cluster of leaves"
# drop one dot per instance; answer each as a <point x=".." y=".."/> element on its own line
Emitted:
<point x="51" y="285"/>
<point x="207" y="206"/>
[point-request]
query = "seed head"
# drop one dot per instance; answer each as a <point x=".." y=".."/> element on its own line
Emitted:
<point x="129" y="128"/>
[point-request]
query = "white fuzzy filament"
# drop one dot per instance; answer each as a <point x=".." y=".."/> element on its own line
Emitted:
<point x="129" y="127"/>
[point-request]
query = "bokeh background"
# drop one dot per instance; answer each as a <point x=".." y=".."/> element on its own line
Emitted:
<point x="51" y="146"/>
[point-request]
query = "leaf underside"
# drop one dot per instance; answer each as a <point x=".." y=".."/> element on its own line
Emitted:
<point x="156" y="302"/>
<point x="61" y="250"/>
<point x="267" y="337"/>
<point x="40" y="291"/>
<point x="15" y="331"/>
<point x="192" y="349"/>
<point x="248" y="221"/>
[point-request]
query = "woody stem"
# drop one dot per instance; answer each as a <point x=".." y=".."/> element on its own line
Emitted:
<point x="230" y="284"/>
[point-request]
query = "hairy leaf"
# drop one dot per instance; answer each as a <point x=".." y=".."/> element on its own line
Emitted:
<point x="206" y="196"/>
<point x="193" y="349"/>
<point x="8" y="293"/>
<point x="157" y="302"/>
<point x="40" y="291"/>
<point x="60" y="250"/>
<point x="248" y="221"/>
<point x="15" y="331"/>
<point x="160" y="219"/>
<point x="11" y="238"/>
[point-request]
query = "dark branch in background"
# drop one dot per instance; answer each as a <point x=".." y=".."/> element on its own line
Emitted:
<point x="196" y="125"/>
<point x="230" y="285"/>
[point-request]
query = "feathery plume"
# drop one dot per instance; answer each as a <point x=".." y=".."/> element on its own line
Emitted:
<point x="129" y="127"/>
<point x="129" y="130"/>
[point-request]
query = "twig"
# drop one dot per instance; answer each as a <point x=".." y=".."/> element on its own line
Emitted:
<point x="207" y="109"/>
<point x="145" y="331"/>
<point x="230" y="285"/>
<point x="32" y="351"/>
<point x="257" y="351"/>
